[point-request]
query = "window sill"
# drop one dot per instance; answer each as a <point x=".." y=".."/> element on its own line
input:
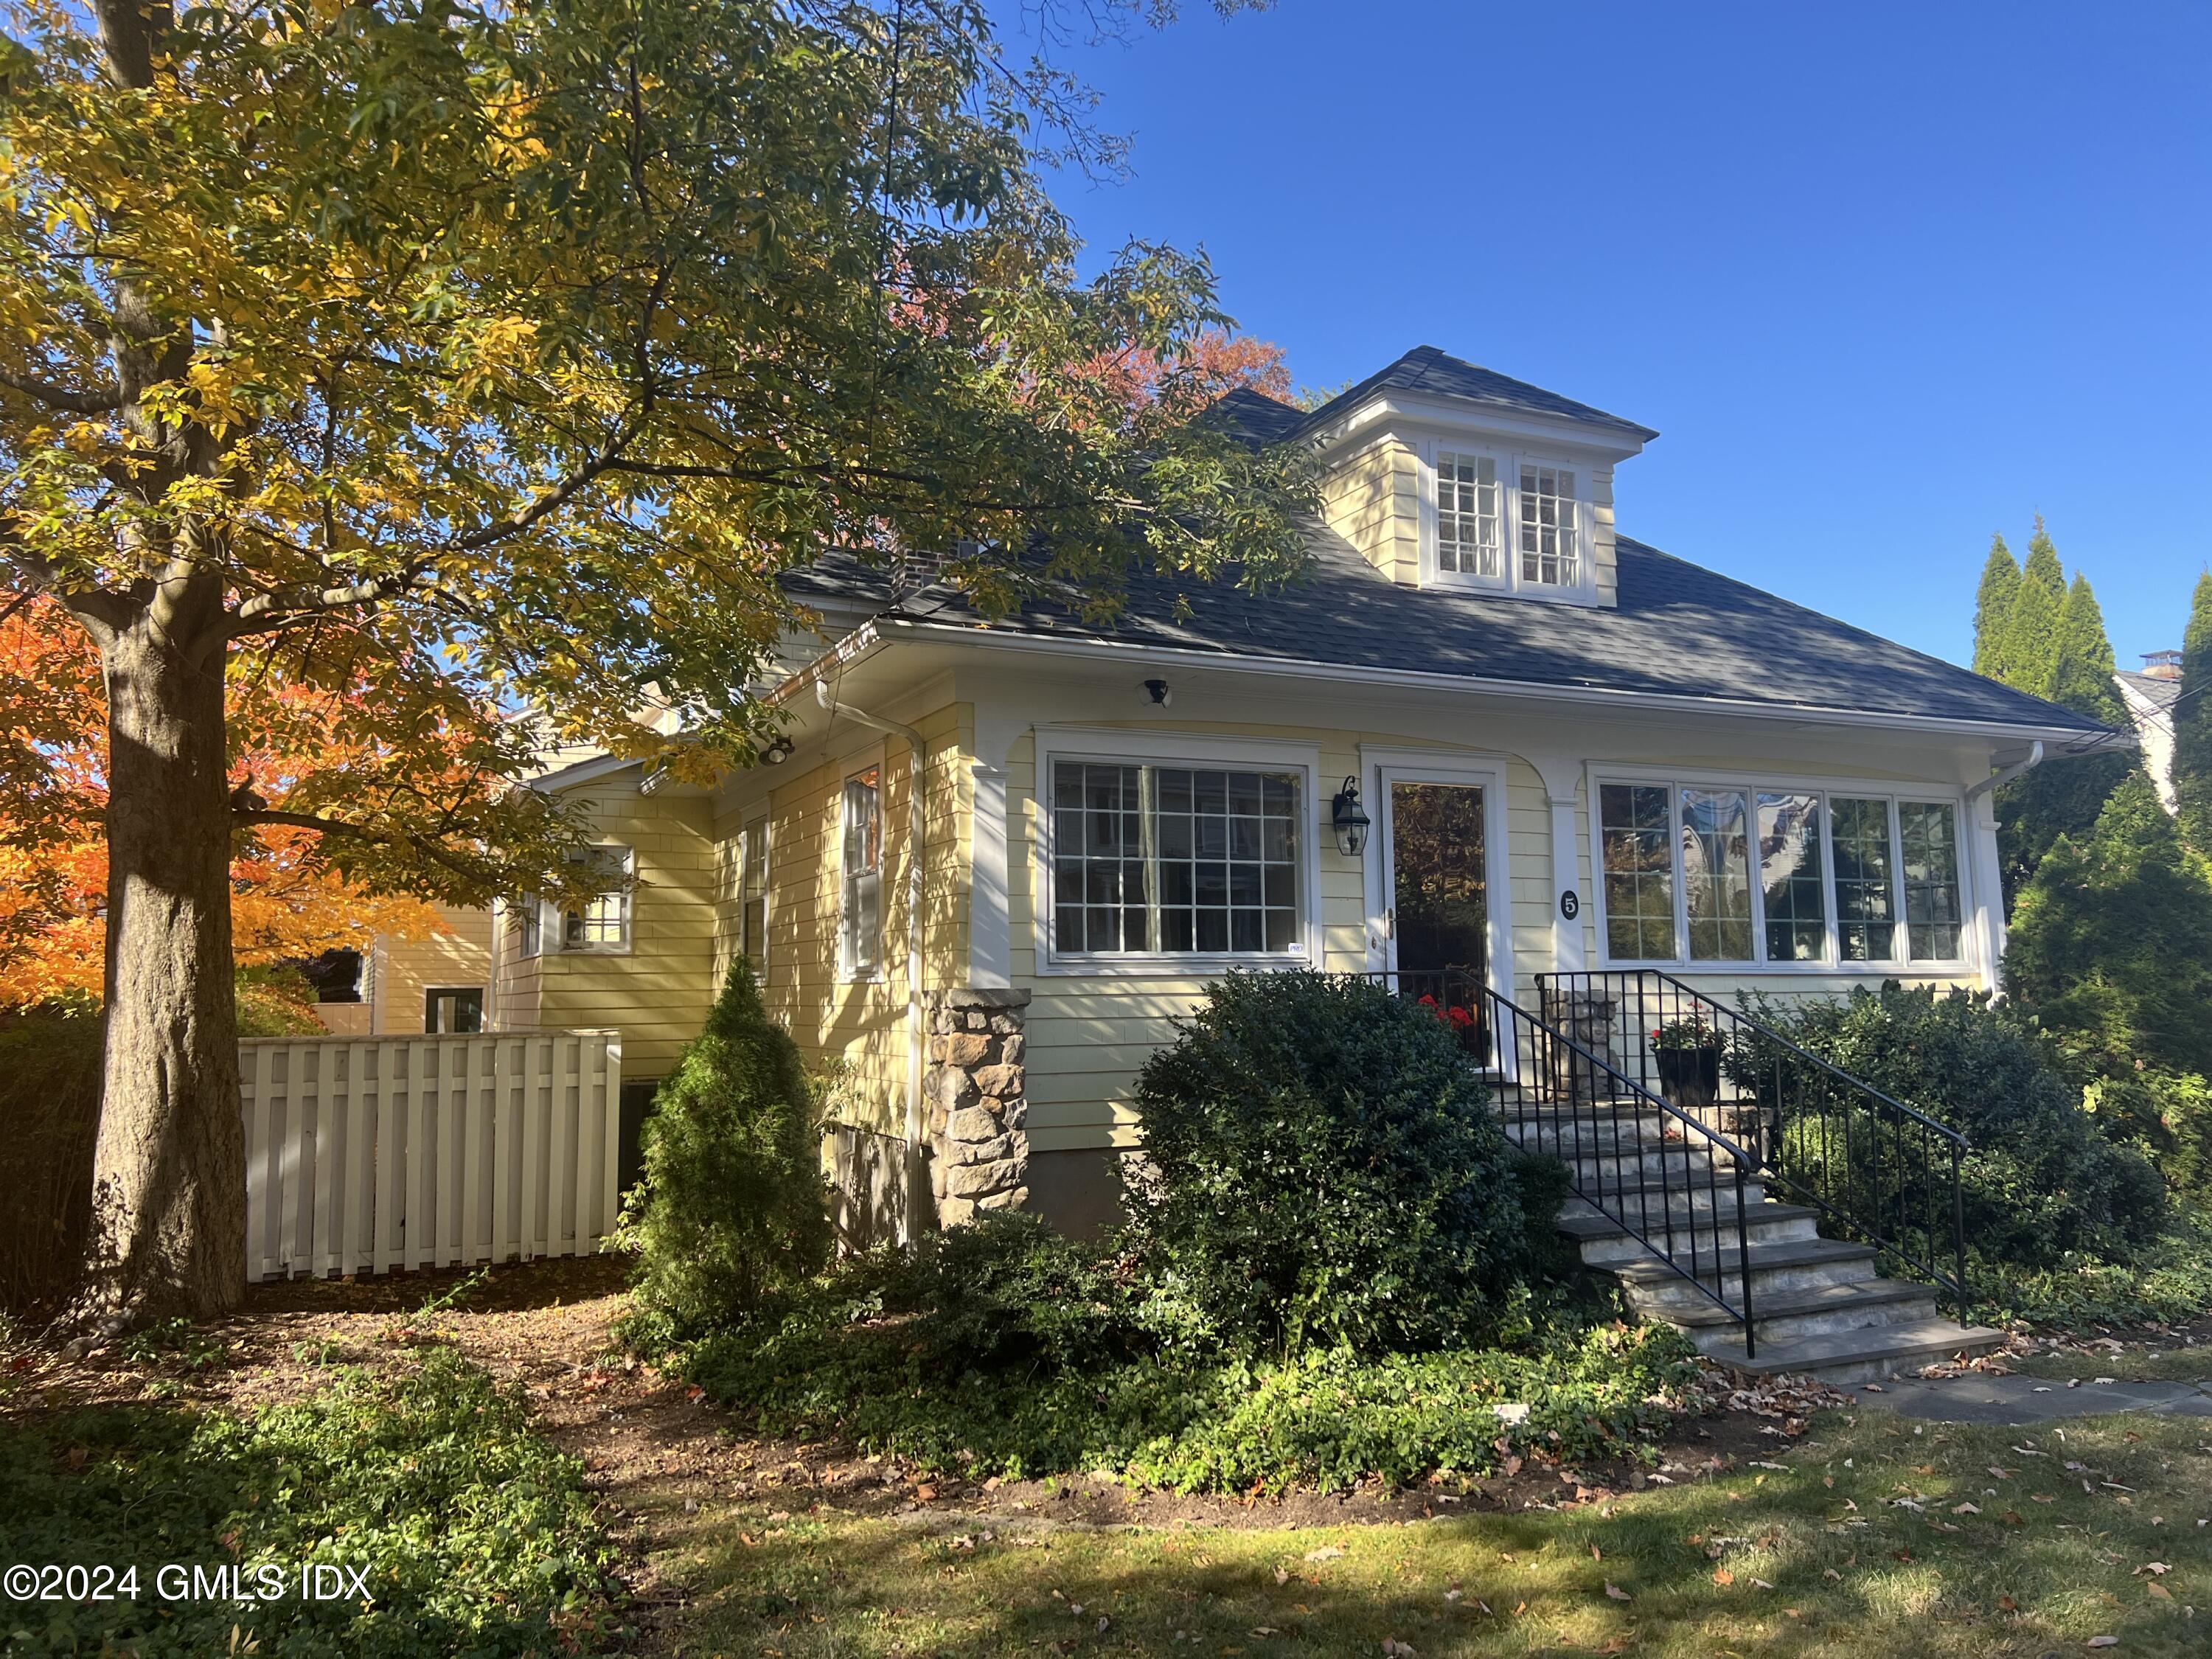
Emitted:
<point x="1691" y="970"/>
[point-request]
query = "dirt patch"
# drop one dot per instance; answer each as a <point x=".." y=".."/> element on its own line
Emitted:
<point x="656" y="1450"/>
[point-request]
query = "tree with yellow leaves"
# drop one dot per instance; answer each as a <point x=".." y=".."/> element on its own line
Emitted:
<point x="475" y="357"/>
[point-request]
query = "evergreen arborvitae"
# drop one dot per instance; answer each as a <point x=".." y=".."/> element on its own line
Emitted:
<point x="2082" y="677"/>
<point x="2112" y="944"/>
<point x="2192" y="724"/>
<point x="2031" y="638"/>
<point x="1993" y="609"/>
<point x="733" y="1208"/>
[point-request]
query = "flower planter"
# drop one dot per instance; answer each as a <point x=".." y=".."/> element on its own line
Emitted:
<point x="1690" y="1077"/>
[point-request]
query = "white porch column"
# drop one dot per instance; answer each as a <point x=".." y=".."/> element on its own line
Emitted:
<point x="1561" y="774"/>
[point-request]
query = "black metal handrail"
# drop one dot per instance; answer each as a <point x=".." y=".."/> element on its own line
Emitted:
<point x="1566" y="1098"/>
<point x="1878" y="1170"/>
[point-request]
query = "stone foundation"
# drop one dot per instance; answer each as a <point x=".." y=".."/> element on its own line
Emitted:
<point x="974" y="1090"/>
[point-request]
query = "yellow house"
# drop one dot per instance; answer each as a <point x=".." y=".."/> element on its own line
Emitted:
<point x="1002" y="857"/>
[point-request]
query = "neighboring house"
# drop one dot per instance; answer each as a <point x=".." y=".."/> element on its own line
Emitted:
<point x="2149" y="698"/>
<point x="439" y="984"/>
<point x="1576" y="751"/>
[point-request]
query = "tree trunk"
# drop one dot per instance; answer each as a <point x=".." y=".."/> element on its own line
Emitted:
<point x="169" y="1177"/>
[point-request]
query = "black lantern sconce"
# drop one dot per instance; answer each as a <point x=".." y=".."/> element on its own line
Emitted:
<point x="1351" y="822"/>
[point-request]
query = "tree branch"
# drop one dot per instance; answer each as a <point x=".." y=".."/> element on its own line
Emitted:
<point x="427" y="846"/>
<point x="60" y="397"/>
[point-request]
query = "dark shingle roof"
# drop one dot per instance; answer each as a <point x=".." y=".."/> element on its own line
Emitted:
<point x="2158" y="692"/>
<point x="1426" y="368"/>
<point x="1678" y="631"/>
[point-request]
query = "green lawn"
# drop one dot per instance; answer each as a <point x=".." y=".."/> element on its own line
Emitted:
<point x="2140" y="1362"/>
<point x="1818" y="1557"/>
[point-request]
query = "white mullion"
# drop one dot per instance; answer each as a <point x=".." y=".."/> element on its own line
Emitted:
<point x="1835" y="921"/>
<point x="1900" y="953"/>
<point x="1681" y="868"/>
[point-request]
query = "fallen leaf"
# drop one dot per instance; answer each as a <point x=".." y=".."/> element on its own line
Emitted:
<point x="1282" y="1575"/>
<point x="1965" y="1509"/>
<point x="2006" y="1604"/>
<point x="2159" y="1590"/>
<point x="1620" y="1594"/>
<point x="1722" y="1576"/>
<point x="2104" y="1641"/>
<point x="2160" y="1568"/>
<point x="1596" y="1555"/>
<point x="1326" y="1552"/>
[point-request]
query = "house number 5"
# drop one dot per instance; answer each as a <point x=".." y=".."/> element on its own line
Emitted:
<point x="1570" y="904"/>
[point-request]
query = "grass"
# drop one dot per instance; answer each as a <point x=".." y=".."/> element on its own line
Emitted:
<point x="1819" y="1557"/>
<point x="2135" y="1363"/>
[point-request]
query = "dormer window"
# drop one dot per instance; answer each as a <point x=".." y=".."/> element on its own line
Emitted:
<point x="1550" y="527"/>
<point x="1467" y="516"/>
<point x="1509" y="523"/>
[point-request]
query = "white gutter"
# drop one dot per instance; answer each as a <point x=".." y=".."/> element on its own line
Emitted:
<point x="917" y="783"/>
<point x="2005" y="775"/>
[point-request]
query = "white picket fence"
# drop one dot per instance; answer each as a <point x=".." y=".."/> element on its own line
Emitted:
<point x="367" y="1154"/>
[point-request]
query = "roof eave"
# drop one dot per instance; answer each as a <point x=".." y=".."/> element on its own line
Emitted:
<point x="887" y="630"/>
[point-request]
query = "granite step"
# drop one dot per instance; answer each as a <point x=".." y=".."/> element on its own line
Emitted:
<point x="1862" y="1354"/>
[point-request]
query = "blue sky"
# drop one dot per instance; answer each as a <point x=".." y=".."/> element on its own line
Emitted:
<point x="1885" y="277"/>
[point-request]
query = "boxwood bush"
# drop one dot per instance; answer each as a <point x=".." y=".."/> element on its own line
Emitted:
<point x="1322" y="1168"/>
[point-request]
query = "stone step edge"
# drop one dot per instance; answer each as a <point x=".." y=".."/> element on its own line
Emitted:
<point x="1585" y="1228"/>
<point x="1788" y="1304"/>
<point x="1796" y="1252"/>
<point x="1860" y="1344"/>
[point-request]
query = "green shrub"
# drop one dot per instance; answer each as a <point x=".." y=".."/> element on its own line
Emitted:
<point x="2110" y="943"/>
<point x="837" y="1359"/>
<point x="733" y="1207"/>
<point x="1008" y="1291"/>
<point x="1321" y="1169"/>
<point x="2167" y="1114"/>
<point x="478" y="1536"/>
<point x="2040" y="1180"/>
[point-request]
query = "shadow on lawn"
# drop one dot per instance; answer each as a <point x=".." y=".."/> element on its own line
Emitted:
<point x="1755" y="1561"/>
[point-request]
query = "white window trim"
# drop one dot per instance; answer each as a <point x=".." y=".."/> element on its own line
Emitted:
<point x="1830" y="964"/>
<point x="765" y="819"/>
<point x="854" y="767"/>
<point x="1509" y="580"/>
<point x="1165" y="748"/>
<point x="552" y="923"/>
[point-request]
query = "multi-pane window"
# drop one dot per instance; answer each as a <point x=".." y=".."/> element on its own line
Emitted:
<point x="1716" y="874"/>
<point x="1719" y="874"/>
<point x="752" y="894"/>
<point x="1932" y="907"/>
<point x="1639" y="872"/>
<point x="1794" y="893"/>
<point x="1174" y="859"/>
<point x="601" y="923"/>
<point x="860" y="915"/>
<point x="1866" y="880"/>
<point x="1549" y="555"/>
<point x="1467" y="515"/>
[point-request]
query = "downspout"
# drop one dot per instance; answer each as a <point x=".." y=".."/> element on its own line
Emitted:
<point x="917" y="758"/>
<point x="1976" y="791"/>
